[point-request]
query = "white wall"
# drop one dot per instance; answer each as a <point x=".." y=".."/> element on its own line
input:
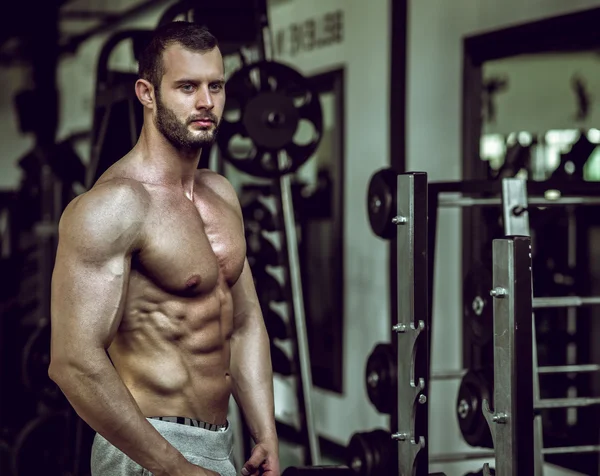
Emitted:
<point x="436" y="33"/>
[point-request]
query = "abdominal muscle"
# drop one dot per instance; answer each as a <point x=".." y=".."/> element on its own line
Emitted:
<point x="172" y="352"/>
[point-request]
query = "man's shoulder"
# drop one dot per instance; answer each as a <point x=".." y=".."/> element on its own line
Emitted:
<point x="123" y="193"/>
<point x="120" y="201"/>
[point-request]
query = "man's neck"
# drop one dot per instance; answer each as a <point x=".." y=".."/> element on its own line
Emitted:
<point x="166" y="163"/>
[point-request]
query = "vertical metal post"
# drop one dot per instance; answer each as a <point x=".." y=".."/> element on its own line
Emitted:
<point x="514" y="207"/>
<point x="302" y="349"/>
<point x="412" y="327"/>
<point x="538" y="430"/>
<point x="265" y="51"/>
<point x="511" y="422"/>
<point x="516" y="222"/>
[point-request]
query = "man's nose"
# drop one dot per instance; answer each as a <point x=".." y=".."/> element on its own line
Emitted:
<point x="204" y="99"/>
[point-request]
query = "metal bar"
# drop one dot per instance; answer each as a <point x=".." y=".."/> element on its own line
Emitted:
<point x="538" y="424"/>
<point x="566" y="369"/>
<point x="565" y="301"/>
<point x="471" y="455"/>
<point x="511" y="422"/>
<point x="460" y="456"/>
<point x="447" y="374"/>
<point x="547" y="403"/>
<point x="462" y="202"/>
<point x="467" y="187"/>
<point x="514" y="207"/>
<point x="412" y="319"/>
<point x="299" y="315"/>
<point x="546" y="369"/>
<point x="563" y="450"/>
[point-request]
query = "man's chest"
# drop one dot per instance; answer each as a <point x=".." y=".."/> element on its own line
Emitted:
<point x="190" y="246"/>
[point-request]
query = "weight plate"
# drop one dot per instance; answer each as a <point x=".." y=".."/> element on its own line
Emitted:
<point x="381" y="202"/>
<point x="266" y="104"/>
<point x="275" y="324"/>
<point x="257" y="212"/>
<point x="271" y="120"/>
<point x="478" y="312"/>
<point x="267" y="287"/>
<point x="475" y="386"/>
<point x="381" y="377"/>
<point x="370" y="453"/>
<point x="282" y="364"/>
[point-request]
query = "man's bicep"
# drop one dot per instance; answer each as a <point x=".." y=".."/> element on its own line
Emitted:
<point x="87" y="299"/>
<point x="90" y="277"/>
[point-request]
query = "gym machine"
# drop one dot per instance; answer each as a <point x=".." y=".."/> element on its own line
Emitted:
<point x="475" y="386"/>
<point x="520" y="222"/>
<point x="397" y="373"/>
<point x="510" y="423"/>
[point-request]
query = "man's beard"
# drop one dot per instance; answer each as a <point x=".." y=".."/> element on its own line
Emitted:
<point x="178" y="134"/>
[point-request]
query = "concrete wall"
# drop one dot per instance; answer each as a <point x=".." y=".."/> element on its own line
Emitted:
<point x="436" y="33"/>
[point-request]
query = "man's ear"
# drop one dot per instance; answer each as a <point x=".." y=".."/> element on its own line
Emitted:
<point x="145" y="93"/>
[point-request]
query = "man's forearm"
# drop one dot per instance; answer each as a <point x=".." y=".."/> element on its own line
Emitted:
<point x="252" y="376"/>
<point x="100" y="398"/>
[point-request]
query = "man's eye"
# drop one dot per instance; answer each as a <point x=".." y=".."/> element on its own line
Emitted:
<point x="216" y="86"/>
<point x="187" y="87"/>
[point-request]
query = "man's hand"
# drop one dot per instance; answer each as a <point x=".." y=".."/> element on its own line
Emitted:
<point x="264" y="460"/>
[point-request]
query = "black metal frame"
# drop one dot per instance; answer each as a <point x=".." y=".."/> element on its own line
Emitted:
<point x="511" y="420"/>
<point x="572" y="32"/>
<point x="563" y="33"/>
<point x="478" y="188"/>
<point x="412" y="326"/>
<point x="397" y="111"/>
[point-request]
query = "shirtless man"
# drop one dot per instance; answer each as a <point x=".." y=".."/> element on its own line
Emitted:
<point x="151" y="269"/>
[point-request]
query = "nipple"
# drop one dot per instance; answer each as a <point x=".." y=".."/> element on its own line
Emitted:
<point x="193" y="281"/>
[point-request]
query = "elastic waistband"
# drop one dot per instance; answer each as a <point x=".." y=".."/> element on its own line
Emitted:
<point x="191" y="422"/>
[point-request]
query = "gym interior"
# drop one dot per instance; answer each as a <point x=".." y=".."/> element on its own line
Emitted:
<point x="409" y="156"/>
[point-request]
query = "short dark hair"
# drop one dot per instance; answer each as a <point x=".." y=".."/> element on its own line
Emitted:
<point x="191" y="36"/>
